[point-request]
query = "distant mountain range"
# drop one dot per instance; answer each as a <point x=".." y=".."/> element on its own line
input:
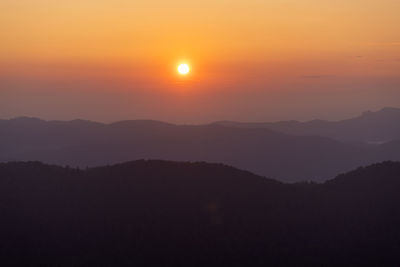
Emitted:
<point x="371" y="127"/>
<point x="288" y="154"/>
<point x="157" y="213"/>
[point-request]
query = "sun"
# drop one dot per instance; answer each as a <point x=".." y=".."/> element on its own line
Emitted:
<point x="183" y="69"/>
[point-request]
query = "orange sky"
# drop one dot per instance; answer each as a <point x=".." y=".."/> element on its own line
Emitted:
<point x="243" y="53"/>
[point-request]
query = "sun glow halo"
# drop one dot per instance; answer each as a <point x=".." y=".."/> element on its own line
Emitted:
<point x="183" y="69"/>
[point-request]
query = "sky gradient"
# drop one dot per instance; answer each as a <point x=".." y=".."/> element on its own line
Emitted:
<point x="251" y="60"/>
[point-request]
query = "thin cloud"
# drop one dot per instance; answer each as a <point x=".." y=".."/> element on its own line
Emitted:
<point x="384" y="44"/>
<point x="315" y="76"/>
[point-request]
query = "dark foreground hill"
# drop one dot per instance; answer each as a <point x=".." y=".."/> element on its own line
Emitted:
<point x="156" y="213"/>
<point x="261" y="151"/>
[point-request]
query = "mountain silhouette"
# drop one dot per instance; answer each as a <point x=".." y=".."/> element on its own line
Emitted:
<point x="262" y="151"/>
<point x="158" y="213"/>
<point x="371" y="127"/>
<point x="265" y="152"/>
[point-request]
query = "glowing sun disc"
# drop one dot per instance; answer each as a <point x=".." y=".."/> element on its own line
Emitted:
<point x="183" y="69"/>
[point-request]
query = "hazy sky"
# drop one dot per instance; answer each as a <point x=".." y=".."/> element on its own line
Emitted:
<point x="251" y="60"/>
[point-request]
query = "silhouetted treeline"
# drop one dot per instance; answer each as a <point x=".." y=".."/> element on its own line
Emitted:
<point x="157" y="213"/>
